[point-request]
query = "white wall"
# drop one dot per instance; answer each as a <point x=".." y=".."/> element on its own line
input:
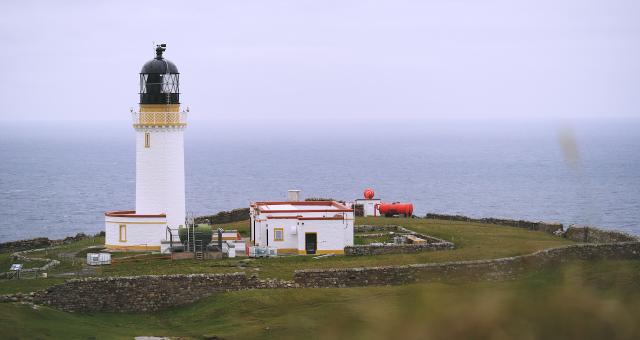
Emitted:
<point x="332" y="234"/>
<point x="369" y="206"/>
<point x="140" y="231"/>
<point x="160" y="179"/>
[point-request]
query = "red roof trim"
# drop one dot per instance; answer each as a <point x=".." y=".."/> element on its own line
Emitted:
<point x="321" y="218"/>
<point x="321" y="203"/>
<point x="305" y="218"/>
<point x="298" y="211"/>
<point x="283" y="217"/>
<point x="338" y="207"/>
<point x="129" y="213"/>
<point x="293" y="202"/>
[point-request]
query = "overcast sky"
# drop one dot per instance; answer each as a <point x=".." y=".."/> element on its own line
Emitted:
<point x="253" y="59"/>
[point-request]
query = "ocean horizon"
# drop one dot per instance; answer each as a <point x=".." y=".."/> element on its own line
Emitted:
<point x="58" y="178"/>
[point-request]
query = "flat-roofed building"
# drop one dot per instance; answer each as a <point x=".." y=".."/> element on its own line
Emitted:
<point x="309" y="227"/>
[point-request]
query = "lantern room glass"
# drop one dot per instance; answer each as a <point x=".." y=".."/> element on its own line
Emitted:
<point x="159" y="88"/>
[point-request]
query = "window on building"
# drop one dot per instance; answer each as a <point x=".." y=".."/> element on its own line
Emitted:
<point x="123" y="233"/>
<point x="278" y="234"/>
<point x="147" y="140"/>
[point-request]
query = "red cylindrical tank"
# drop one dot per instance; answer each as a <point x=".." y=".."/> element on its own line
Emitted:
<point x="396" y="208"/>
<point x="369" y="193"/>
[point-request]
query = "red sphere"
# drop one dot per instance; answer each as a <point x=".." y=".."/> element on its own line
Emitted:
<point x="368" y="193"/>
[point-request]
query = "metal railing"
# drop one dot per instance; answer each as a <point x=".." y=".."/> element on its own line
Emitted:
<point x="159" y="118"/>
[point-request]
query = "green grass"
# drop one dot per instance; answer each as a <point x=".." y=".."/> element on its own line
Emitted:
<point x="579" y="300"/>
<point x="473" y="241"/>
<point x="27" y="285"/>
<point x="241" y="226"/>
<point x="6" y="262"/>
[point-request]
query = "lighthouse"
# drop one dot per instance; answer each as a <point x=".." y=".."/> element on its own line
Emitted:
<point x="159" y="126"/>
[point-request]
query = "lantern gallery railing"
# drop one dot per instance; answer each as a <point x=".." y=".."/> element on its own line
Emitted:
<point x="159" y="118"/>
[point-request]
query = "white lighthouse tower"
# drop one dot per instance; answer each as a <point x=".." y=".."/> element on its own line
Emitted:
<point x="160" y="194"/>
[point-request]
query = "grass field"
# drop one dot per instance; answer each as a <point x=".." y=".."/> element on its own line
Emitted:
<point x="579" y="300"/>
<point x="473" y="241"/>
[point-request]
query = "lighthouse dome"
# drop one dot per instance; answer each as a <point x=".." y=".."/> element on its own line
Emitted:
<point x="159" y="80"/>
<point x="159" y="65"/>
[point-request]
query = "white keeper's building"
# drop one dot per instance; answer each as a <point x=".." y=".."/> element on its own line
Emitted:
<point x="160" y="196"/>
<point x="311" y="227"/>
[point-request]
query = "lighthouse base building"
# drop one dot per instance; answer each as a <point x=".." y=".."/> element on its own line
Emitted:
<point x="126" y="230"/>
<point x="160" y="184"/>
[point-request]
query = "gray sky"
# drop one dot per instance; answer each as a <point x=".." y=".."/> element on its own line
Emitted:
<point x="325" y="59"/>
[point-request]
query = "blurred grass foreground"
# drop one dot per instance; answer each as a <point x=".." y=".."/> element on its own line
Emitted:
<point x="577" y="300"/>
<point x="572" y="300"/>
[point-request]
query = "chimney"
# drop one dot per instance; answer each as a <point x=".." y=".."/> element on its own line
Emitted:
<point x="293" y="195"/>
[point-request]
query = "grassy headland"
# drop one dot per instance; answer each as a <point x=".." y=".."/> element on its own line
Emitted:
<point x="578" y="300"/>
<point x="473" y="241"/>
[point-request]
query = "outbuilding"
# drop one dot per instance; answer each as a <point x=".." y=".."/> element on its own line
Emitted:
<point x="369" y="203"/>
<point x="302" y="227"/>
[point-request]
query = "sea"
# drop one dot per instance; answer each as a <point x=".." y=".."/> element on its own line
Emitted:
<point x="58" y="178"/>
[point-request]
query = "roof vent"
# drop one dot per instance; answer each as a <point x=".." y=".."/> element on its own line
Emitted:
<point x="293" y="195"/>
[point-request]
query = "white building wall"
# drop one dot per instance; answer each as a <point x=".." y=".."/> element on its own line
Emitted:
<point x="140" y="232"/>
<point x="332" y="235"/>
<point x="160" y="187"/>
<point x="369" y="206"/>
<point x="289" y="227"/>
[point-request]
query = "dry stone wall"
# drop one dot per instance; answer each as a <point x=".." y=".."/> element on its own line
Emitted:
<point x="574" y="233"/>
<point x="150" y="293"/>
<point x="595" y="235"/>
<point x="145" y="293"/>
<point x="538" y="226"/>
<point x="373" y="228"/>
<point x="433" y="243"/>
<point x="365" y="250"/>
<point x="498" y="269"/>
<point x="40" y="242"/>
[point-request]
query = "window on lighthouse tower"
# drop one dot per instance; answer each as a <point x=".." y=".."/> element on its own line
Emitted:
<point x="147" y="140"/>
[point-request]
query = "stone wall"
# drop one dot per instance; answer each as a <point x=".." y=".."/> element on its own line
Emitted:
<point x="497" y="269"/>
<point x="538" y="226"/>
<point x="358" y="235"/>
<point x="371" y="228"/>
<point x="156" y="292"/>
<point x="144" y="293"/>
<point x="366" y="250"/>
<point x="10" y="247"/>
<point x="40" y="242"/>
<point x="235" y="215"/>
<point x="596" y="235"/>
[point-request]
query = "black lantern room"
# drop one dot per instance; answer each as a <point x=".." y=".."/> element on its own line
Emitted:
<point x="159" y="80"/>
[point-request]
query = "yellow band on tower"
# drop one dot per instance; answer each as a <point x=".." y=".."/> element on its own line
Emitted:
<point x="159" y="115"/>
<point x="159" y="107"/>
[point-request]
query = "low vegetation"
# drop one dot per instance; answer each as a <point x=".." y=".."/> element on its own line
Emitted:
<point x="473" y="241"/>
<point x="578" y="300"/>
<point x="575" y="300"/>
